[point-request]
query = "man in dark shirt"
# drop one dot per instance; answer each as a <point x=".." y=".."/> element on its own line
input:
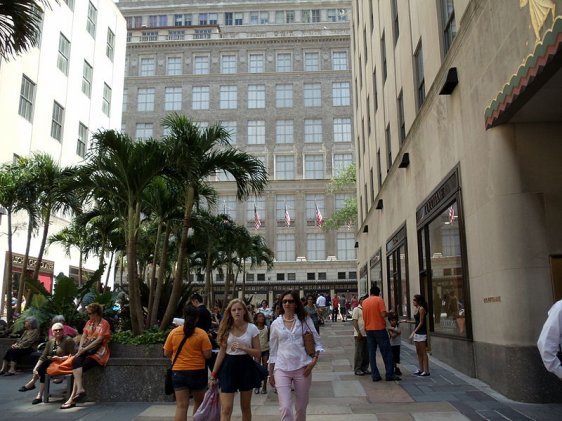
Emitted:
<point x="204" y="321"/>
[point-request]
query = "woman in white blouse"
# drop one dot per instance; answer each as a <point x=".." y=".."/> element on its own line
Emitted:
<point x="235" y="368"/>
<point x="288" y="362"/>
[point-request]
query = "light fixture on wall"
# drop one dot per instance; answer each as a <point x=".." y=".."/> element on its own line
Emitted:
<point x="379" y="204"/>
<point x="366" y="228"/>
<point x="451" y="82"/>
<point x="356" y="244"/>
<point x="405" y="163"/>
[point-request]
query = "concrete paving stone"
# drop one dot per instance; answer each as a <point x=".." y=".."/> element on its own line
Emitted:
<point x="539" y="412"/>
<point x="436" y="397"/>
<point x="478" y="395"/>
<point x="512" y="414"/>
<point x="382" y="396"/>
<point x="348" y="388"/>
<point x="405" y="407"/>
<point x="348" y="417"/>
<point x="491" y="415"/>
<point x="395" y="417"/>
<point x="338" y="362"/>
<point x="439" y="416"/>
<point x="315" y="409"/>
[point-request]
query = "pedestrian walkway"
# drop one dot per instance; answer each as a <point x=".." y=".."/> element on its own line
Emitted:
<point x="336" y="395"/>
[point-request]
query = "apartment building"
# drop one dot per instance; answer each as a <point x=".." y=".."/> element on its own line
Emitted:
<point x="277" y="75"/>
<point x="53" y="97"/>
<point x="457" y="130"/>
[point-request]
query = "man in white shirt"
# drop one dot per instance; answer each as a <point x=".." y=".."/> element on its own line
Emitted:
<point x="361" y="359"/>
<point x="321" y="304"/>
<point x="550" y="340"/>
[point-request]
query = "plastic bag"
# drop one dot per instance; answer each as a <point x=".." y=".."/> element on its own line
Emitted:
<point x="210" y="408"/>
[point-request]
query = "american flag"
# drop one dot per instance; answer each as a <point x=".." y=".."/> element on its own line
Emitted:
<point x="319" y="218"/>
<point x="257" y="220"/>
<point x="287" y="217"/>
<point x="451" y="215"/>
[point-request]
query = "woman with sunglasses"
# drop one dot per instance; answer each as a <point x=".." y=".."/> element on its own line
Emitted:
<point x="288" y="362"/>
<point x="93" y="351"/>
<point x="58" y="348"/>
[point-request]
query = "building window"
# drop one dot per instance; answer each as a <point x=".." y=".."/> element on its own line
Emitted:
<point x="395" y="22"/>
<point x="313" y="167"/>
<point x="213" y="18"/>
<point x="401" y="122"/>
<point x="232" y="128"/>
<point x="147" y="66"/>
<point x="110" y="46"/>
<point x="256" y="132"/>
<point x="183" y="20"/>
<point x="341" y="162"/>
<point x="310" y="16"/>
<point x="106" y="101"/>
<point x="82" y="140"/>
<point x="342" y="130"/>
<point x="143" y="131"/>
<point x="339" y="60"/>
<point x="397" y="275"/>
<point x="388" y="141"/>
<point x="125" y="99"/>
<point x="227" y="206"/>
<point x="312" y="95"/>
<point x="175" y="35"/>
<point x="228" y="64"/>
<point x="92" y="18"/>
<point x="256" y="96"/>
<point x="284" y="206"/>
<point x="449" y="24"/>
<point x="70" y="4"/>
<point x="310" y="276"/>
<point x="315" y="247"/>
<point x="379" y="168"/>
<point x="312" y="131"/>
<point x="203" y="19"/>
<point x="256" y="63"/>
<point x="419" y="74"/>
<point x="57" y="121"/>
<point x="341" y="94"/>
<point x="145" y="99"/>
<point x="256" y="204"/>
<point x="280" y="276"/>
<point x="87" y="74"/>
<point x="228" y="18"/>
<point x="284" y="96"/>
<point x="228" y="97"/>
<point x="284" y="167"/>
<point x="313" y="202"/>
<point x="64" y="54"/>
<point x="172" y="98"/>
<point x="345" y="246"/>
<point x="284" y="62"/>
<point x="311" y="62"/>
<point x="375" y="90"/>
<point x="201" y="65"/>
<point x="239" y="18"/>
<point x="259" y="18"/>
<point x="284" y="131"/>
<point x="173" y="66"/>
<point x="286" y="251"/>
<point x="200" y="98"/>
<point x="383" y="59"/>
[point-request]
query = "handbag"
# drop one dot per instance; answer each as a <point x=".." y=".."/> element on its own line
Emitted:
<point x="168" y="384"/>
<point x="210" y="408"/>
<point x="308" y="339"/>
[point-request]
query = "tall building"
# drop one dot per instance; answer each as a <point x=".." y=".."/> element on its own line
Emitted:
<point x="457" y="129"/>
<point x="53" y="97"/>
<point x="277" y="75"/>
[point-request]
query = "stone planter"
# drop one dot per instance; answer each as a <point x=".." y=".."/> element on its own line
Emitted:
<point x="136" y="351"/>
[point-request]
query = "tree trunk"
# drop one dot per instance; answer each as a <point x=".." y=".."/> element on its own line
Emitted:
<point x="43" y="242"/>
<point x="80" y="257"/>
<point x="109" y="271"/>
<point x="182" y="253"/>
<point x="161" y="274"/>
<point x="134" y="293"/>
<point x="9" y="278"/>
<point x="244" y="278"/>
<point x="24" y="265"/>
<point x="208" y="270"/>
<point x="152" y="283"/>
<point x="99" y="286"/>
<point x="121" y="268"/>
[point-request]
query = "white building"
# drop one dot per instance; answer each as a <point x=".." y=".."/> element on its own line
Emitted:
<point x="54" y="96"/>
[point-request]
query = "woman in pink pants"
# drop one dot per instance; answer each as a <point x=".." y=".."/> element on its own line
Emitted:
<point x="288" y="362"/>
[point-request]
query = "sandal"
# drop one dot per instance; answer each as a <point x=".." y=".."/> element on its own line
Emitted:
<point x="36" y="401"/>
<point x="25" y="389"/>
<point x="67" y="405"/>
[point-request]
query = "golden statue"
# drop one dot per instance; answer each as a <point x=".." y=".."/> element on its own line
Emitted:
<point x="539" y="10"/>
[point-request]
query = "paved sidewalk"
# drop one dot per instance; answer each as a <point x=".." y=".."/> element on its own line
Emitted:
<point x="336" y="395"/>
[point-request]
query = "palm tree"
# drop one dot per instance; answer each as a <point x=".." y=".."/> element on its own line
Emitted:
<point x="194" y="155"/>
<point x="20" y="25"/>
<point x="119" y="170"/>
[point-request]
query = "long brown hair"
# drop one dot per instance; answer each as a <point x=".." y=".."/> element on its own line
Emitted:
<point x="299" y="308"/>
<point x="228" y="321"/>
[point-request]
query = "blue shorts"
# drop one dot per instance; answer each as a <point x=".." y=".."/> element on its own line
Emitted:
<point x="190" y="379"/>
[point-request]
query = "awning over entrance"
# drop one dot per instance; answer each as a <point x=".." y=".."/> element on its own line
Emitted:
<point x="534" y="93"/>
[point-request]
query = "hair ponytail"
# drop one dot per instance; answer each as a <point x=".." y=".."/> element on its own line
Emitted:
<point x="190" y="315"/>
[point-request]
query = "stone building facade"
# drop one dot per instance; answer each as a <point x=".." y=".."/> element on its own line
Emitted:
<point x="457" y="119"/>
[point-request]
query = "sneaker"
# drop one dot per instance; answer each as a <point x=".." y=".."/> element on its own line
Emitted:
<point x="359" y="373"/>
<point x="418" y="372"/>
<point x="424" y="374"/>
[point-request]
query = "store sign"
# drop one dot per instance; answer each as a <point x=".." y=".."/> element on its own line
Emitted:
<point x="443" y="193"/>
<point x="47" y="266"/>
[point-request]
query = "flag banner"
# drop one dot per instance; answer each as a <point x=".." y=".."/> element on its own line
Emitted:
<point x="451" y="215"/>
<point x="287" y="217"/>
<point x="319" y="218"/>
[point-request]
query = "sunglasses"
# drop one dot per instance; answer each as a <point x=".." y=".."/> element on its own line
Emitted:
<point x="288" y="301"/>
<point x="57" y="330"/>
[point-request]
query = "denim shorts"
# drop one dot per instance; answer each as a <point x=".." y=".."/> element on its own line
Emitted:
<point x="190" y="379"/>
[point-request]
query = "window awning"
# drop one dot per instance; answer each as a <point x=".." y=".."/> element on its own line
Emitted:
<point x="534" y="92"/>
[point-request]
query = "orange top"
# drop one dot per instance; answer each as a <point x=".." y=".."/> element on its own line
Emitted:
<point x="372" y="313"/>
<point x="335" y="301"/>
<point x="191" y="357"/>
<point x="93" y="331"/>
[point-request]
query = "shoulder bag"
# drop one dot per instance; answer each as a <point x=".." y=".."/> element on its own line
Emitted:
<point x="168" y="385"/>
<point x="308" y="339"/>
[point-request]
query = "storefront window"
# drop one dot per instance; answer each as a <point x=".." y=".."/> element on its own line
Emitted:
<point x="447" y="279"/>
<point x="376" y="274"/>
<point x="397" y="271"/>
